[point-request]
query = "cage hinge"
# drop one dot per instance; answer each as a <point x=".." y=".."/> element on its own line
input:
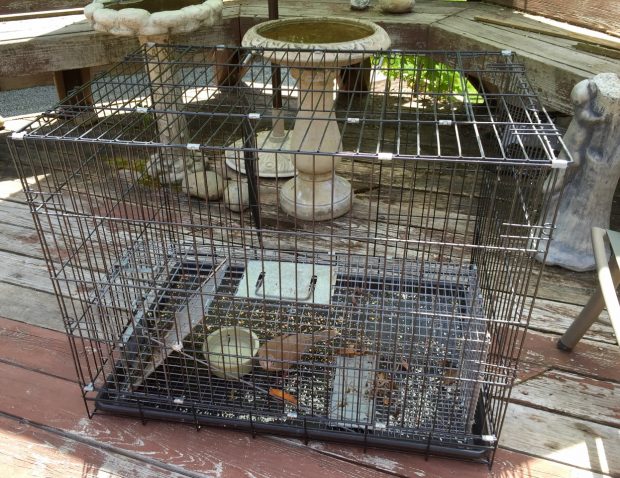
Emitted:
<point x="489" y="438"/>
<point x="18" y="136"/>
<point x="559" y="163"/>
<point x="445" y="122"/>
<point x="353" y="120"/>
<point x="193" y="146"/>
<point x="141" y="109"/>
<point x="385" y="156"/>
<point x="89" y="387"/>
<point x="254" y="116"/>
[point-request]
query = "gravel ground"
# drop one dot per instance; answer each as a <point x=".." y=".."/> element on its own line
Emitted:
<point x="26" y="101"/>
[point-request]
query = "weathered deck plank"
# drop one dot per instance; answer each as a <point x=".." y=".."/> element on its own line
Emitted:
<point x="571" y="395"/>
<point x="211" y="451"/>
<point x="181" y="449"/>
<point x="28" y="451"/>
<point x="552" y="316"/>
<point x="554" y="65"/>
<point x="30" y="306"/>
<point x="593" y="359"/>
<point x="568" y="440"/>
<point x="23" y="345"/>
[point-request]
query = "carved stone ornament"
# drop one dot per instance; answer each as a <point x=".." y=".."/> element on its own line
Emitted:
<point x="593" y="139"/>
<point x="140" y="22"/>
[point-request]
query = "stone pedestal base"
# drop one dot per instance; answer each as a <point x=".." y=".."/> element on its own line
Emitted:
<point x="310" y="198"/>
<point x="270" y="165"/>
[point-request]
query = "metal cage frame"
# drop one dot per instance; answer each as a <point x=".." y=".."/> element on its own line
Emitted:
<point x="420" y="293"/>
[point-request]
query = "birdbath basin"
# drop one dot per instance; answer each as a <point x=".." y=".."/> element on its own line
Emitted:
<point x="154" y="21"/>
<point x="325" y="45"/>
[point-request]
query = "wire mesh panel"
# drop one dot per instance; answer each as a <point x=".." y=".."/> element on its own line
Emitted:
<point x="347" y="256"/>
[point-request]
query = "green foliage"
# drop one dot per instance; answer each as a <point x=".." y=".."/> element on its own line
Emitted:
<point x="136" y="165"/>
<point x="425" y="76"/>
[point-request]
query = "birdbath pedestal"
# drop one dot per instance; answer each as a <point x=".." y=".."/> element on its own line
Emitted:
<point x="316" y="193"/>
<point x="153" y="22"/>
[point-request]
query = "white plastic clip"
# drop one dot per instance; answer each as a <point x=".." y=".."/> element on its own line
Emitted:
<point x="385" y="156"/>
<point x="178" y="401"/>
<point x="353" y="120"/>
<point x="445" y="122"/>
<point x="489" y="438"/>
<point x="88" y="387"/>
<point x="177" y="347"/>
<point x="142" y="109"/>
<point x="254" y="116"/>
<point x="18" y="136"/>
<point x="193" y="146"/>
<point x="506" y="52"/>
<point x="559" y="163"/>
<point x="291" y="414"/>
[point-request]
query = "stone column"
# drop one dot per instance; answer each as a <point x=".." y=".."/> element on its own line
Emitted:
<point x="593" y="139"/>
<point x="317" y="193"/>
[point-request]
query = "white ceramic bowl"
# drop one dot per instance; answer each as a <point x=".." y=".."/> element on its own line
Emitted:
<point x="230" y="352"/>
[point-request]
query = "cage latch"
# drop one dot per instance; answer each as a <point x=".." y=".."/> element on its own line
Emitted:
<point x="260" y="283"/>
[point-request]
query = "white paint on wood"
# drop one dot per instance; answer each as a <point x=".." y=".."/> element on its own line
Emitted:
<point x="564" y="439"/>
<point x="572" y="395"/>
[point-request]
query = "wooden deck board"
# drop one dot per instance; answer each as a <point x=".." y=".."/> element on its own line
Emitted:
<point x="565" y="425"/>
<point x="56" y="403"/>
<point x="28" y="451"/>
<point x="568" y="440"/>
<point x="34" y="363"/>
<point x="554" y="65"/>
<point x="571" y="395"/>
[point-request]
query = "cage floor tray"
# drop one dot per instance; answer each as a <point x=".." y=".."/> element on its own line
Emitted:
<point x="352" y="398"/>
<point x="277" y="280"/>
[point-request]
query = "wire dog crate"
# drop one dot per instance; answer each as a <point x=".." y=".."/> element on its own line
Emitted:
<point x="190" y="290"/>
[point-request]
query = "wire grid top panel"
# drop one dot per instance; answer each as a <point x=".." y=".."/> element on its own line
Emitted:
<point x="462" y="106"/>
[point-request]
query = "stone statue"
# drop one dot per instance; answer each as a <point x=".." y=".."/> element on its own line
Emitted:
<point x="593" y="139"/>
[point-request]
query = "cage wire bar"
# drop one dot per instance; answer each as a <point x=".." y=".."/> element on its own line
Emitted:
<point x="396" y="324"/>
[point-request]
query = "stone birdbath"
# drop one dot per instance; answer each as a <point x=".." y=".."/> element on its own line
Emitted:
<point x="154" y="22"/>
<point x="316" y="193"/>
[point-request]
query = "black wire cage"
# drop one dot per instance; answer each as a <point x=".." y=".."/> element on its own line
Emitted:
<point x="347" y="253"/>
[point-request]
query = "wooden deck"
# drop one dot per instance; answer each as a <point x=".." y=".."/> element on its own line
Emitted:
<point x="564" y="420"/>
<point x="555" y="63"/>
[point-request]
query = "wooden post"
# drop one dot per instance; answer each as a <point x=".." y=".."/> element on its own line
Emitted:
<point x="67" y="81"/>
